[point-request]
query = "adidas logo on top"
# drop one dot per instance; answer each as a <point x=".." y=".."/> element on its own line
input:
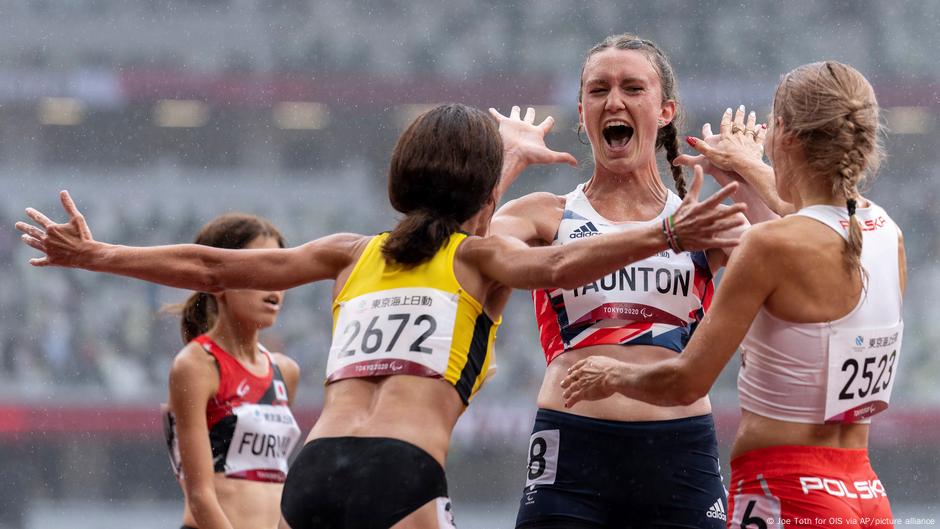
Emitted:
<point x="717" y="510"/>
<point x="587" y="230"/>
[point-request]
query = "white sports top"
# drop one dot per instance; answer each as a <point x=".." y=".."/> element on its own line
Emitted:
<point x="838" y="371"/>
<point x="657" y="301"/>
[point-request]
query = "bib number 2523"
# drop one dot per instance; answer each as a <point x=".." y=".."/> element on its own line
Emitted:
<point x="862" y="369"/>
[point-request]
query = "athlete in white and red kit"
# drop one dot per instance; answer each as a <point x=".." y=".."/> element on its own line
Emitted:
<point x="814" y="300"/>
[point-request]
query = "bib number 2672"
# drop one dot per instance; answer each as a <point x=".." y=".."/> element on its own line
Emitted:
<point x="384" y="332"/>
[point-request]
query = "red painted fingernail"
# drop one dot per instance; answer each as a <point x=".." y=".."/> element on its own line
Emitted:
<point x="763" y="125"/>
<point x="690" y="140"/>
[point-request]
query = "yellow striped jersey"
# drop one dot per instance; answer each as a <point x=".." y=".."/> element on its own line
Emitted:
<point x="395" y="320"/>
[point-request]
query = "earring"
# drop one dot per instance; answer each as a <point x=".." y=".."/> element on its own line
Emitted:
<point x="582" y="142"/>
<point x="661" y="122"/>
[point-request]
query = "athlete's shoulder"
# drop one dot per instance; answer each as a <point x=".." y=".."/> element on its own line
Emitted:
<point x="532" y="218"/>
<point x="540" y="202"/>
<point x="193" y="355"/>
<point x="344" y="243"/>
<point x="337" y="250"/>
<point x="285" y="363"/>
<point x="191" y="366"/>
<point x="764" y="239"/>
<point x="773" y="229"/>
<point x="775" y="243"/>
<point x="772" y="233"/>
<point x="475" y="248"/>
<point x="290" y="370"/>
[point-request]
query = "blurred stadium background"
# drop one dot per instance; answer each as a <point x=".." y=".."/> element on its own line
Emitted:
<point x="159" y="114"/>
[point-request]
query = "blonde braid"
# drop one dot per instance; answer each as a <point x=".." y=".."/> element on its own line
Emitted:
<point x="851" y="171"/>
<point x="833" y="111"/>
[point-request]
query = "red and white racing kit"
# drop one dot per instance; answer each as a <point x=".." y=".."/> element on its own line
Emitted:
<point x="251" y="429"/>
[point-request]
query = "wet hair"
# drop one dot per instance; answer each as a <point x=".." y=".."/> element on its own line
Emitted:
<point x="231" y="231"/>
<point x="443" y="170"/>
<point x="831" y="109"/>
<point x="668" y="135"/>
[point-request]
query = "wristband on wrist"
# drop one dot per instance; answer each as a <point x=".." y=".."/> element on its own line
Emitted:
<point x="669" y="231"/>
<point x="666" y="234"/>
<point x="675" y="237"/>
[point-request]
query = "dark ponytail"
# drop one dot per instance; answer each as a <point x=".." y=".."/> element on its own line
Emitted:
<point x="443" y="170"/>
<point x="418" y="237"/>
<point x="197" y="315"/>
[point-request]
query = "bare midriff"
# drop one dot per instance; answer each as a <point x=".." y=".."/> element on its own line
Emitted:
<point x="418" y="410"/>
<point x="616" y="407"/>
<point x="756" y="432"/>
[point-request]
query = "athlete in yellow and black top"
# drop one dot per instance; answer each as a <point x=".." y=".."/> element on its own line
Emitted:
<point x="391" y="319"/>
<point x="420" y="300"/>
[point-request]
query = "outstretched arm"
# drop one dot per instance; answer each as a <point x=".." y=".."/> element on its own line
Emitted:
<point x="680" y="381"/>
<point x="509" y="261"/>
<point x="189" y="266"/>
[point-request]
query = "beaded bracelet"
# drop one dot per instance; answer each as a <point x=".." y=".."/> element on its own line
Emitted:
<point x="669" y="231"/>
<point x="667" y="234"/>
<point x="675" y="237"/>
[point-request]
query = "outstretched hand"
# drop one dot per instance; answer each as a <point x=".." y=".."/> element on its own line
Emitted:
<point x="737" y="143"/>
<point x="701" y="225"/>
<point x="525" y="140"/>
<point x="62" y="244"/>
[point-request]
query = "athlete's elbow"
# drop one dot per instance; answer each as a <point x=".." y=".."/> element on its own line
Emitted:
<point x="213" y="286"/>
<point x="215" y="273"/>
<point x="688" y="397"/>
<point x="688" y="390"/>
<point x="209" y="279"/>
<point x="201" y="499"/>
<point x="564" y="272"/>
<point x="671" y="384"/>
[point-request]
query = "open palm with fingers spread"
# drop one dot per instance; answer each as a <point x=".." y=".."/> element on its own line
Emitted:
<point x="701" y="225"/>
<point x="62" y="244"/>
<point x="526" y="140"/>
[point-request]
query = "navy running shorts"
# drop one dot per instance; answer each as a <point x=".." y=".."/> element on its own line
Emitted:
<point x="593" y="473"/>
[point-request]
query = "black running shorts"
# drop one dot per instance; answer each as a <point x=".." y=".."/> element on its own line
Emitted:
<point x="361" y="483"/>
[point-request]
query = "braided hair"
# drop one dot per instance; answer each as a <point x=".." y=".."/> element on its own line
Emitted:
<point x="832" y="110"/>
